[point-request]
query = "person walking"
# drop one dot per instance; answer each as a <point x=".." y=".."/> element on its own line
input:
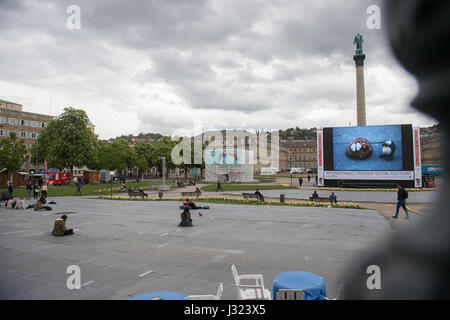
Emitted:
<point x="402" y="195"/>
<point x="309" y="178"/>
<point x="79" y="185"/>
<point x="10" y="189"/>
<point x="219" y="187"/>
<point x="29" y="189"/>
<point x="300" y="182"/>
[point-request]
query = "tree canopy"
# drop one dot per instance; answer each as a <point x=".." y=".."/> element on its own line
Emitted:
<point x="67" y="142"/>
<point x="13" y="153"/>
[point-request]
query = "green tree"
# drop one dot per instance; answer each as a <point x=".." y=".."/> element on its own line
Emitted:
<point x="67" y="142"/>
<point x="163" y="148"/>
<point x="145" y="149"/>
<point x="142" y="165"/>
<point x="114" y="155"/>
<point x="97" y="160"/>
<point x="13" y="154"/>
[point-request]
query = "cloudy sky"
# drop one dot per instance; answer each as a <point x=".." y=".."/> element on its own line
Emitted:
<point x="186" y="66"/>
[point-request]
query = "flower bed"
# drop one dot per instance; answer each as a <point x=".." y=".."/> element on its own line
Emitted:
<point x="230" y="200"/>
<point x="370" y="189"/>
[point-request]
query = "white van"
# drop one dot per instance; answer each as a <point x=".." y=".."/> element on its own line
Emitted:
<point x="296" y="170"/>
<point x="269" y="171"/>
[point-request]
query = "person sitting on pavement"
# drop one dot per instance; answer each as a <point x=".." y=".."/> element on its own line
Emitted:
<point x="40" y="204"/>
<point x="59" y="227"/>
<point x="186" y="220"/>
<point x="315" y="195"/>
<point x="197" y="190"/>
<point x="11" y="204"/>
<point x="259" y="195"/>
<point x="333" y="198"/>
<point x="20" y="204"/>
<point x="192" y="205"/>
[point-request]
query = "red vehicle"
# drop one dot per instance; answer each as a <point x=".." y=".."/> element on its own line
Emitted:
<point x="58" y="178"/>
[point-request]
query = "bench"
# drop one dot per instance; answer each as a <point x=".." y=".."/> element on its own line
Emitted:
<point x="251" y="196"/>
<point x="137" y="193"/>
<point x="191" y="194"/>
<point x="153" y="187"/>
<point x="319" y="199"/>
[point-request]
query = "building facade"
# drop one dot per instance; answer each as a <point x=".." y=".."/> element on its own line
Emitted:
<point x="26" y="125"/>
<point x="255" y="144"/>
<point x="431" y="148"/>
<point x="300" y="153"/>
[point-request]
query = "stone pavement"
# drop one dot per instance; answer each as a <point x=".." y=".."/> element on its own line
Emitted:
<point x="125" y="248"/>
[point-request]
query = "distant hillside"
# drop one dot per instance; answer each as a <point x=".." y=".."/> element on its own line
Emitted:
<point x="149" y="137"/>
<point x="298" y="134"/>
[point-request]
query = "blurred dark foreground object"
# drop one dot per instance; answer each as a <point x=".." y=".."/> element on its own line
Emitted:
<point x="415" y="262"/>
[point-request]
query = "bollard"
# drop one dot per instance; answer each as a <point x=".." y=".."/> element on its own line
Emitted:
<point x="282" y="198"/>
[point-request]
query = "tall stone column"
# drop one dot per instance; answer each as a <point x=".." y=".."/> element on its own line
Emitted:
<point x="360" y="92"/>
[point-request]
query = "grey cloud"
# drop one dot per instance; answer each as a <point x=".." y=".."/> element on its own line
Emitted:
<point x="254" y="58"/>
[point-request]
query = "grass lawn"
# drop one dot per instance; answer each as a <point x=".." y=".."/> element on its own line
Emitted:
<point x="88" y="189"/>
<point x="243" y="187"/>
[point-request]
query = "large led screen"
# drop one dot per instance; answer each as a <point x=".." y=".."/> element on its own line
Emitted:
<point x="368" y="148"/>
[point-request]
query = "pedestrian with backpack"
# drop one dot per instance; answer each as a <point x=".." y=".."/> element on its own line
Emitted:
<point x="402" y="195"/>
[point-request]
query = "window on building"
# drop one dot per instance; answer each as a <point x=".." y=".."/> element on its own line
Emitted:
<point x="2" y="133"/>
<point x="33" y="135"/>
<point x="34" y="124"/>
<point x="12" y="121"/>
<point x="2" y="120"/>
<point x="23" y="134"/>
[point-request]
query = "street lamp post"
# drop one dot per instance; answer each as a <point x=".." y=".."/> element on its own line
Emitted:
<point x="111" y="173"/>
<point x="291" y="172"/>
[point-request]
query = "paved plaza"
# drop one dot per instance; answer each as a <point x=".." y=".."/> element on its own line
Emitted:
<point x="125" y="248"/>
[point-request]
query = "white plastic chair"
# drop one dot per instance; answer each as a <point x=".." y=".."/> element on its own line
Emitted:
<point x="255" y="291"/>
<point x="339" y="295"/>
<point x="208" y="296"/>
<point x="290" y="294"/>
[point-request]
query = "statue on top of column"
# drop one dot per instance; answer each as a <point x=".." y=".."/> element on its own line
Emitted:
<point x="358" y="41"/>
